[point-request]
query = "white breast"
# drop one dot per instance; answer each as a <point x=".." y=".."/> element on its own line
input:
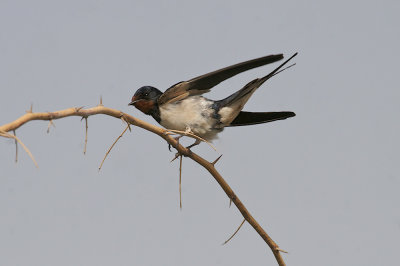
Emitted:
<point x="193" y="112"/>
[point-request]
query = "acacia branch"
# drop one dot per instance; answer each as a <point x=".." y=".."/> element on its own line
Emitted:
<point x="163" y="133"/>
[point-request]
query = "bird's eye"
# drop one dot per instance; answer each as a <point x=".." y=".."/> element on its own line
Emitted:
<point x="146" y="94"/>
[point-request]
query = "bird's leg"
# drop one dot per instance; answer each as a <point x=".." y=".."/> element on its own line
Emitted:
<point x="197" y="142"/>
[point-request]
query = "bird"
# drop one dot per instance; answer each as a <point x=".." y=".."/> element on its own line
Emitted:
<point x="183" y="108"/>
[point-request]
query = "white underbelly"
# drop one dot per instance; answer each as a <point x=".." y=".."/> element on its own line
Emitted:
<point x="194" y="113"/>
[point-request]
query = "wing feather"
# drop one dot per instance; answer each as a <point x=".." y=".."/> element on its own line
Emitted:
<point x="204" y="83"/>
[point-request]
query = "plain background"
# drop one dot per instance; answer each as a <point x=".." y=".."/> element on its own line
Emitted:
<point x="324" y="184"/>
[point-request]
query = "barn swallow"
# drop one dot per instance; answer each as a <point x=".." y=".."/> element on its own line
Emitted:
<point x="181" y="107"/>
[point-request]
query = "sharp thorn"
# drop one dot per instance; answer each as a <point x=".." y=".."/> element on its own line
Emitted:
<point x="176" y="157"/>
<point x="30" y="109"/>
<point x="281" y="250"/>
<point x="216" y="160"/>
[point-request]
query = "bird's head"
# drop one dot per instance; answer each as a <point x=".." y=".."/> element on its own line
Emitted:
<point x="145" y="99"/>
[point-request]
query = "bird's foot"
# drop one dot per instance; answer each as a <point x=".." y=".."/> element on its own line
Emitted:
<point x="189" y="131"/>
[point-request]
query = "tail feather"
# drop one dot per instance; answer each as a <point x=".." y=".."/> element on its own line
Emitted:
<point x="253" y="118"/>
<point x="241" y="97"/>
<point x="230" y="108"/>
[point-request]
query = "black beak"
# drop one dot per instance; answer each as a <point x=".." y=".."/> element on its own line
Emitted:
<point x="135" y="99"/>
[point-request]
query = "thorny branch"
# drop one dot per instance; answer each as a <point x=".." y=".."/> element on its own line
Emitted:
<point x="163" y="133"/>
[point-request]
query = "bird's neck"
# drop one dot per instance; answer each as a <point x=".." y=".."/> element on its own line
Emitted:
<point x="155" y="113"/>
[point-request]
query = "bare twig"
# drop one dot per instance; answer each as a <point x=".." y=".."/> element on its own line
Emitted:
<point x="276" y="250"/>
<point x="127" y="123"/>
<point x="105" y="156"/>
<point x="237" y="230"/>
<point x="8" y="135"/>
<point x="180" y="183"/>
<point x="49" y="125"/>
<point x="16" y="147"/>
<point x="86" y="134"/>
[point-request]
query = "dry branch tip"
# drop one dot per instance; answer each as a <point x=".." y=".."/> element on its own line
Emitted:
<point x="105" y="156"/>
<point x="237" y="230"/>
<point x="180" y="183"/>
<point x="16" y="147"/>
<point x="51" y="123"/>
<point x="8" y="135"/>
<point x="86" y="134"/>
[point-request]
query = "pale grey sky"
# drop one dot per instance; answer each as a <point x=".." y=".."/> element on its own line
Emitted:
<point x="324" y="184"/>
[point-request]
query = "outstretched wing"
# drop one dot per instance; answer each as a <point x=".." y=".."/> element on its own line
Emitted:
<point x="204" y="83"/>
